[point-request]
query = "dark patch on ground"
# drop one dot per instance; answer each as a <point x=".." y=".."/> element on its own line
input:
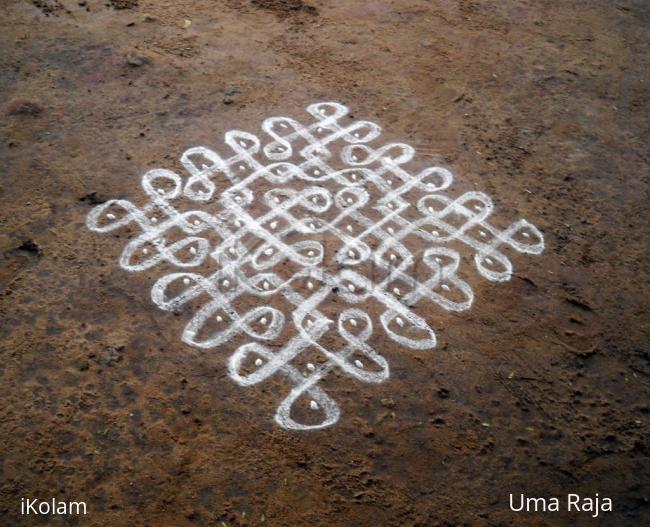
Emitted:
<point x="30" y="247"/>
<point x="284" y="8"/>
<point x="49" y="7"/>
<point x="123" y="4"/>
<point x="92" y="199"/>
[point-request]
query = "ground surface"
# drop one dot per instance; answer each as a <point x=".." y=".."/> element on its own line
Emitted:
<point x="542" y="387"/>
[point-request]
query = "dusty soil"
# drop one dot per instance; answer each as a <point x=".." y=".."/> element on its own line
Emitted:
<point x="542" y="387"/>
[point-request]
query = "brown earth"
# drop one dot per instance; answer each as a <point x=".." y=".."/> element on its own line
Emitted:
<point x="542" y="387"/>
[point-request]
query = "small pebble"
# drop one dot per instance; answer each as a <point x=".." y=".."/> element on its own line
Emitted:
<point x="136" y="61"/>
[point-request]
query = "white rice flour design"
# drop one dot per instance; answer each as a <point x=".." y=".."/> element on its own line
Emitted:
<point x="297" y="240"/>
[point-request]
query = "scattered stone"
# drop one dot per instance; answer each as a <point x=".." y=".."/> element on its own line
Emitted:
<point x="112" y="355"/>
<point x="443" y="393"/>
<point x="49" y="7"/>
<point x="24" y="107"/>
<point x="233" y="89"/>
<point x="230" y="92"/>
<point x="136" y="60"/>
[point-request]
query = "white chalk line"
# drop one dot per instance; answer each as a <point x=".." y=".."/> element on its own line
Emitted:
<point x="301" y="211"/>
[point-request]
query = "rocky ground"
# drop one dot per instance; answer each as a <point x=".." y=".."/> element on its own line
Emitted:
<point x="542" y="387"/>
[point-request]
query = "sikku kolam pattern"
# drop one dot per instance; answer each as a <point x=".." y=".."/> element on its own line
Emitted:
<point x="281" y="250"/>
